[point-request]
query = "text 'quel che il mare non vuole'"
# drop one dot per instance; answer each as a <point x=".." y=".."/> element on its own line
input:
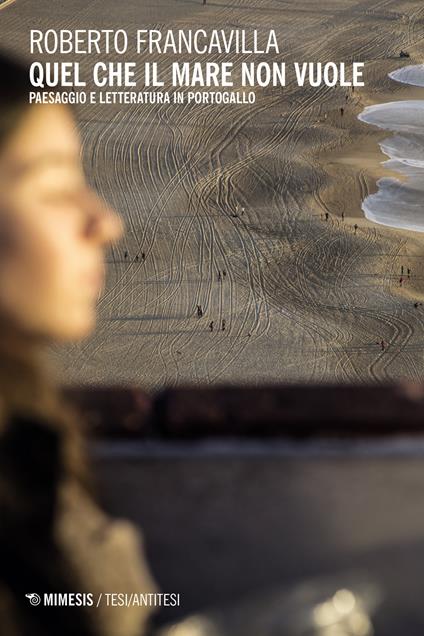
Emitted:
<point x="199" y="42"/>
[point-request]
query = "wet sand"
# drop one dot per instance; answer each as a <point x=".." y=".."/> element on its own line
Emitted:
<point x="303" y="299"/>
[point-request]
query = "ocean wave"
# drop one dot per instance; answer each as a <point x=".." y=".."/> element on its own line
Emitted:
<point x="413" y="75"/>
<point x="400" y="202"/>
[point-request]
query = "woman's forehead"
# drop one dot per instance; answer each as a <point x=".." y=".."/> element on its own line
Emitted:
<point x="45" y="138"/>
<point x="49" y="160"/>
<point x="46" y="130"/>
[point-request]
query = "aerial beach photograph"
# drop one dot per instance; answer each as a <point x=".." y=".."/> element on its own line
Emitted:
<point x="211" y="317"/>
<point x="310" y="282"/>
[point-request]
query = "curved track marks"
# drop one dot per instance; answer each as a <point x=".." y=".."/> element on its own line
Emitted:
<point x="302" y="299"/>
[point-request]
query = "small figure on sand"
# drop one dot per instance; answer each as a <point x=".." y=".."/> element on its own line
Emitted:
<point x="125" y="254"/>
<point x="143" y="256"/>
<point x="137" y="258"/>
<point x="223" y="325"/>
<point x="341" y="111"/>
<point x="211" y="326"/>
<point x="355" y="227"/>
<point x="382" y="345"/>
<point x="219" y="276"/>
<point x="224" y="273"/>
<point x="199" y="311"/>
<point x="342" y="216"/>
<point x="401" y="281"/>
<point x="327" y="216"/>
<point x="242" y="210"/>
<point x="408" y="272"/>
<point x="401" y="271"/>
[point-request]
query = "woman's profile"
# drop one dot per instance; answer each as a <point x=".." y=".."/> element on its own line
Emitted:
<point x="53" y="231"/>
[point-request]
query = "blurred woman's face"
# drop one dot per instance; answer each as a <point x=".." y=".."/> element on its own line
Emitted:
<point x="53" y="229"/>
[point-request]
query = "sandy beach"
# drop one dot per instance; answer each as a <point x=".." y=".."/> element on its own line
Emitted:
<point x="303" y="299"/>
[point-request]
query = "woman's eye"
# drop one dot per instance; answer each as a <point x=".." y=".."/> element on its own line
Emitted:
<point x="61" y="198"/>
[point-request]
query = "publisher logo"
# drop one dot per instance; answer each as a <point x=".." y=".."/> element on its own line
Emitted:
<point x="34" y="599"/>
<point x="110" y="599"/>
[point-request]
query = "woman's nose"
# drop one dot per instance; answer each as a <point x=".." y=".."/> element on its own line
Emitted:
<point x="103" y="223"/>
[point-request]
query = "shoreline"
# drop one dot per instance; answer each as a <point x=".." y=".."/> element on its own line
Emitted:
<point x="399" y="198"/>
<point x="361" y="159"/>
<point x="361" y="153"/>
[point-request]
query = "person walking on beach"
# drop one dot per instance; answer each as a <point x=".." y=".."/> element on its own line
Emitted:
<point x="143" y="256"/>
<point x="219" y="276"/>
<point x="223" y="325"/>
<point x="401" y="271"/>
<point x="125" y="255"/>
<point x="242" y="210"/>
<point x="341" y="111"/>
<point x="355" y="227"/>
<point x="136" y="258"/>
<point x="383" y="345"/>
<point x="224" y="273"/>
<point x="342" y="216"/>
<point x="199" y="311"/>
<point x="408" y="271"/>
<point x="211" y="326"/>
<point x="327" y="216"/>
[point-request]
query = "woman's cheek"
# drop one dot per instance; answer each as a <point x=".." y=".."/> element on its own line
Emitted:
<point x="60" y="233"/>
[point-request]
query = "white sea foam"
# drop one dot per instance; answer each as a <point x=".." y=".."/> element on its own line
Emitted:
<point x="409" y="75"/>
<point x="400" y="203"/>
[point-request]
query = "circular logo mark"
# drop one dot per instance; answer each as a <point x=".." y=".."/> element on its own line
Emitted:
<point x="34" y="599"/>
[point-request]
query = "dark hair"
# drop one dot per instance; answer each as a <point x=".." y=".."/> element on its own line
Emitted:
<point x="31" y="468"/>
<point x="15" y="87"/>
<point x="39" y="448"/>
